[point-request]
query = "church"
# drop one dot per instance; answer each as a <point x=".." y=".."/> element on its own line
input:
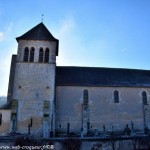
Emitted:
<point x="47" y="100"/>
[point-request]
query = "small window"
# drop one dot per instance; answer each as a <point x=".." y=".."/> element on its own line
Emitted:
<point x="46" y="59"/>
<point x="144" y="98"/>
<point x="32" y="54"/>
<point x="41" y="54"/>
<point x="0" y="119"/>
<point x="26" y="54"/>
<point x="116" y="97"/>
<point x="85" y="97"/>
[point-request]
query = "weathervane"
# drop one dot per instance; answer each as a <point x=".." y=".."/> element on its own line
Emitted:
<point x="42" y="17"/>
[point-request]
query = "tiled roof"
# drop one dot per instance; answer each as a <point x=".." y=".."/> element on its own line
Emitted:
<point x="89" y="76"/>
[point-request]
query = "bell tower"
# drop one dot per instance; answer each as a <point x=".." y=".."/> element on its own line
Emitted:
<point x="34" y="82"/>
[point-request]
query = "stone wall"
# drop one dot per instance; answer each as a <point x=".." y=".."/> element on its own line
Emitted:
<point x="11" y="78"/>
<point x="37" y="45"/>
<point x="5" y="124"/>
<point x="69" y="144"/>
<point x="102" y="109"/>
<point x="34" y="83"/>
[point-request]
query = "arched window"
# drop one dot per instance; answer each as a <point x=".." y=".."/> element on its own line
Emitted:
<point x="116" y="97"/>
<point x="46" y="58"/>
<point x="85" y="97"/>
<point x="32" y="54"/>
<point x="41" y="54"/>
<point x="144" y="98"/>
<point x="0" y="119"/>
<point x="26" y="54"/>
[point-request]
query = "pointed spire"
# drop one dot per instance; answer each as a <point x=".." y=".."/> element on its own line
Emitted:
<point x="39" y="32"/>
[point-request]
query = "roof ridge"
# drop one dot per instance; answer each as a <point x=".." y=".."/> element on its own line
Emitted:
<point x="86" y="67"/>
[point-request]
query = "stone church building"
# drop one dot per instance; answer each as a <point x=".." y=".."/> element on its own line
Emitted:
<point x="51" y="100"/>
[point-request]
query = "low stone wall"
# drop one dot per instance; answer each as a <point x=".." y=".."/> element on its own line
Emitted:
<point x="88" y="143"/>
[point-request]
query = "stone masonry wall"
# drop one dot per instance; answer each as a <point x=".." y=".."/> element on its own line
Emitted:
<point x="34" y="83"/>
<point x="37" y="45"/>
<point x="11" y="78"/>
<point x="5" y="126"/>
<point x="102" y="109"/>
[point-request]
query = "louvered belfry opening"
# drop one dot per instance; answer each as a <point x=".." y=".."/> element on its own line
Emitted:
<point x="32" y="54"/>
<point x="46" y="59"/>
<point x="26" y="54"/>
<point x="41" y="54"/>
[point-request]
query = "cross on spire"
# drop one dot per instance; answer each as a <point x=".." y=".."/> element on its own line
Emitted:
<point x="42" y="17"/>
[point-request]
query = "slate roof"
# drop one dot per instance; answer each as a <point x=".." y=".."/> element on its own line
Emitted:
<point x="89" y="76"/>
<point x="39" y="32"/>
<point x="6" y="106"/>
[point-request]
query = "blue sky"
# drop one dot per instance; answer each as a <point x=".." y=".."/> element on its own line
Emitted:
<point x="99" y="33"/>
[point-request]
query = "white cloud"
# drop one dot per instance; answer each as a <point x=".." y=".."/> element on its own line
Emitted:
<point x="66" y="37"/>
<point x="67" y="26"/>
<point x="73" y="50"/>
<point x="5" y="61"/>
<point x="4" y="71"/>
<point x="2" y="36"/>
<point x="7" y="29"/>
<point x="123" y="50"/>
<point x="70" y="46"/>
